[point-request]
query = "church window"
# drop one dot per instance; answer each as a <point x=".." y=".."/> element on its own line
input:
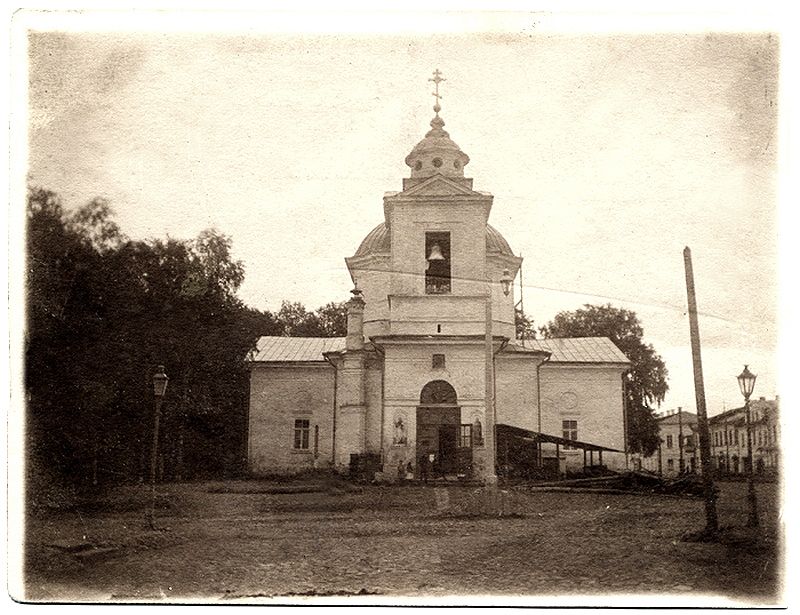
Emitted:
<point x="302" y="428"/>
<point x="669" y="441"/>
<point x="438" y="361"/>
<point x="466" y="436"/>
<point x="569" y="430"/>
<point x="670" y="464"/>
<point x="437" y="162"/>
<point x="437" y="256"/>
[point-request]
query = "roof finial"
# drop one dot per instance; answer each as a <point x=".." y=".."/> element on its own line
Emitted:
<point x="437" y="79"/>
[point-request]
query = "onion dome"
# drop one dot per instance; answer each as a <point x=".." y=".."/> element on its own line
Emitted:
<point x="379" y="242"/>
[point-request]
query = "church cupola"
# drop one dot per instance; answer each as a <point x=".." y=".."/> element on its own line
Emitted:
<point x="437" y="153"/>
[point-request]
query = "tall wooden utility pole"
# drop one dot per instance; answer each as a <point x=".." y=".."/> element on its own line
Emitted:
<point x="490" y="435"/>
<point x="681" y="463"/>
<point x="712" y="524"/>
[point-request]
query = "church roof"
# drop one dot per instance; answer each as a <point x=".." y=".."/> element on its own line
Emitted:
<point x="575" y="349"/>
<point x="437" y="142"/>
<point x="282" y="349"/>
<point x="377" y="241"/>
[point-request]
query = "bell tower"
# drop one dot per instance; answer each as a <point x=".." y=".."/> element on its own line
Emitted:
<point x="427" y="268"/>
<point x="437" y="226"/>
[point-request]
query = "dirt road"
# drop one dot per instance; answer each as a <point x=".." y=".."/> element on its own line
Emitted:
<point x="248" y="541"/>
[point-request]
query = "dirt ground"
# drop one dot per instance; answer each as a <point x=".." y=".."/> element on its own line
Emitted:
<point x="251" y="541"/>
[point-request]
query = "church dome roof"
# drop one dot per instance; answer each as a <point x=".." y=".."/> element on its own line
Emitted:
<point x="377" y="241"/>
<point x="437" y="153"/>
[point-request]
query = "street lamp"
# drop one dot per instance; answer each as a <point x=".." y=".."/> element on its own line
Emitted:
<point x="506" y="281"/>
<point x="160" y="380"/>
<point x="747" y="382"/>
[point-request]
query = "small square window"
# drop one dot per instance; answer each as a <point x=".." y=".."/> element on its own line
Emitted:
<point x="438" y="361"/>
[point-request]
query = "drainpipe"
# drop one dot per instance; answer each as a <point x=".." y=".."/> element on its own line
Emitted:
<point x="625" y="420"/>
<point x="382" y="352"/>
<point x="539" y="406"/>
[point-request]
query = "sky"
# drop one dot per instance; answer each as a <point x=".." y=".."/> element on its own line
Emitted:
<point x="606" y="154"/>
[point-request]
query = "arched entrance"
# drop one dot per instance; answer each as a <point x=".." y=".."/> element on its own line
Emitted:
<point x="439" y="432"/>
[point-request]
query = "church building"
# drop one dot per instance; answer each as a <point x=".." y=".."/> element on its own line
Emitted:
<point x="430" y="374"/>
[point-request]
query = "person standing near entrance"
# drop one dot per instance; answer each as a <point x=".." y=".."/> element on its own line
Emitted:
<point x="424" y="467"/>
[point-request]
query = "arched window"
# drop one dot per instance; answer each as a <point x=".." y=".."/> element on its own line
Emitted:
<point x="438" y="392"/>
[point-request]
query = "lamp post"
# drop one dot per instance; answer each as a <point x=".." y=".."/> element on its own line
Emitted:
<point x="491" y="432"/>
<point x="747" y="382"/>
<point x="160" y="380"/>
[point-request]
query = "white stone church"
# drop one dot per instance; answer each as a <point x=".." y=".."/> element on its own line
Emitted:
<point x="431" y="361"/>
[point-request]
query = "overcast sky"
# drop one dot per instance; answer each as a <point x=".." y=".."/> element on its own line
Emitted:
<point x="606" y="154"/>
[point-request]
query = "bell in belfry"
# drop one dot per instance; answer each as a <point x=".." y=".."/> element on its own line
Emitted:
<point x="436" y="253"/>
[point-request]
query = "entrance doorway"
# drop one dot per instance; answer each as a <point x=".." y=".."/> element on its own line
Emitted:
<point x="438" y="433"/>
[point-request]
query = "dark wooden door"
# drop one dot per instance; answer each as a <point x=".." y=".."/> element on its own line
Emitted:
<point x="448" y="447"/>
<point x="437" y="435"/>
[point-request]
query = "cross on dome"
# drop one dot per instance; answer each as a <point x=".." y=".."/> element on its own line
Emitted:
<point x="436" y="154"/>
<point x="437" y="79"/>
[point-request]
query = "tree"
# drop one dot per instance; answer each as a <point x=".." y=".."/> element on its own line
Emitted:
<point x="327" y="321"/>
<point x="332" y="318"/>
<point x="103" y="312"/>
<point x="523" y="325"/>
<point x="646" y="380"/>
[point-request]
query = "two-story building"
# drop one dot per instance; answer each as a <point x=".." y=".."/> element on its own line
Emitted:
<point x="728" y="433"/>
<point x="678" y="451"/>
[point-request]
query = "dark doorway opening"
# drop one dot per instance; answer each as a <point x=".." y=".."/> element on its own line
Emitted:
<point x="442" y="451"/>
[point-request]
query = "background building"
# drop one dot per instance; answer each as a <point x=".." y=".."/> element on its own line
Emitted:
<point x="728" y="432"/>
<point x="678" y="451"/>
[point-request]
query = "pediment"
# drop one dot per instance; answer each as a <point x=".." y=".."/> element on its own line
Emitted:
<point x="439" y="185"/>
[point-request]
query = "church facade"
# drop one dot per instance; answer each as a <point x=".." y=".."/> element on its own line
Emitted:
<point x="431" y="363"/>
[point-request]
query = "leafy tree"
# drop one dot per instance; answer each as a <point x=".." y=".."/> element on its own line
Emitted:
<point x="327" y="321"/>
<point x="103" y="312"/>
<point x="645" y="382"/>
<point x="332" y="318"/>
<point x="523" y="325"/>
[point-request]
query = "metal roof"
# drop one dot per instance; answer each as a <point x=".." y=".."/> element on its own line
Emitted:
<point x="280" y="349"/>
<point x="575" y="349"/>
<point x="673" y="419"/>
<point x="534" y="436"/>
